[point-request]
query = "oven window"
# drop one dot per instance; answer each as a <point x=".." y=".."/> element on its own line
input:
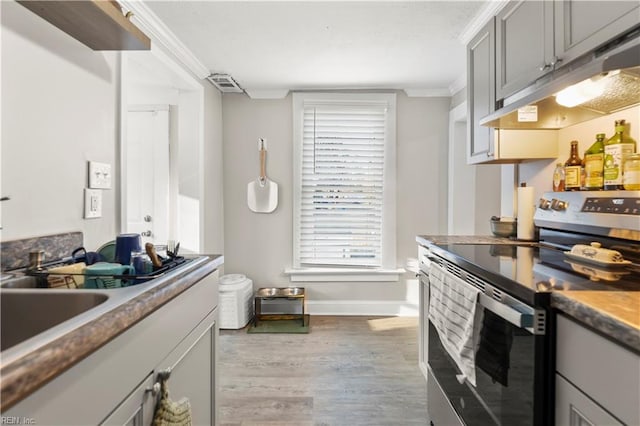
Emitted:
<point x="505" y="370"/>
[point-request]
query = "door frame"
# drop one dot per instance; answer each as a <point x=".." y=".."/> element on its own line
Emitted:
<point x="191" y="93"/>
<point x="171" y="166"/>
<point x="458" y="117"/>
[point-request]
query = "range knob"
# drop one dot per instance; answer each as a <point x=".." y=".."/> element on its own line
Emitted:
<point x="544" y="204"/>
<point x="558" y="205"/>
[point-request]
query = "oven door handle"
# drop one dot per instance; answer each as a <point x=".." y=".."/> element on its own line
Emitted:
<point x="508" y="313"/>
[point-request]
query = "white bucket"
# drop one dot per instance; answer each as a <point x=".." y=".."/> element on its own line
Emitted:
<point x="236" y="301"/>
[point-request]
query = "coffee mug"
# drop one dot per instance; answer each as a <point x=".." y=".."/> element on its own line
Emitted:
<point x="69" y="276"/>
<point x="125" y="244"/>
<point x="101" y="275"/>
<point x="141" y="262"/>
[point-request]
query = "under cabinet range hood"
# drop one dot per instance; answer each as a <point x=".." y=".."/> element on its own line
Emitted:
<point x="613" y="70"/>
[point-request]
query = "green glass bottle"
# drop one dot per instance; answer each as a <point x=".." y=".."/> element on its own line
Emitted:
<point x="594" y="165"/>
<point x="616" y="149"/>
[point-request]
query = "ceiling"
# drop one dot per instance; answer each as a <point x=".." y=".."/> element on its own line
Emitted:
<point x="272" y="47"/>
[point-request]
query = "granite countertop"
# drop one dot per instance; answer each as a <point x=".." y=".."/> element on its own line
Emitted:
<point x="468" y="239"/>
<point x="615" y="314"/>
<point x="22" y="372"/>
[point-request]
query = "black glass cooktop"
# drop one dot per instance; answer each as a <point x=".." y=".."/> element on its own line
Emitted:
<point x="526" y="271"/>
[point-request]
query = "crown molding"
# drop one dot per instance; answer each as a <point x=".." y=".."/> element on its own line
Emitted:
<point x="267" y="93"/>
<point x="488" y="11"/>
<point x="155" y="29"/>
<point x="458" y="84"/>
<point x="427" y="93"/>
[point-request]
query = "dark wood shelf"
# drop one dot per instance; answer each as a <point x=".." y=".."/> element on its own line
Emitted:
<point x="99" y="24"/>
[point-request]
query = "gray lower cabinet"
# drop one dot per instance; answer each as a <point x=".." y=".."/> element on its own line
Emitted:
<point x="115" y="384"/>
<point x="137" y="409"/>
<point x="574" y="408"/>
<point x="192" y="366"/>
<point x="591" y="372"/>
<point x="480" y="94"/>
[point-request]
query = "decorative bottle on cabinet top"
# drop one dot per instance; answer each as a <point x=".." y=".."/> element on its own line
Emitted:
<point x="616" y="149"/>
<point x="572" y="169"/>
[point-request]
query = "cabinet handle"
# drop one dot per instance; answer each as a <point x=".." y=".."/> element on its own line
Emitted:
<point x="546" y="66"/>
<point x="556" y="61"/>
<point x="155" y="389"/>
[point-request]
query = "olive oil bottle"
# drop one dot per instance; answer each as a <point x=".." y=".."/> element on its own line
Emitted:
<point x="616" y="149"/>
<point x="594" y="165"/>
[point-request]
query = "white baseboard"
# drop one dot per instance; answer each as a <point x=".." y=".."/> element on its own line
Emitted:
<point x="362" y="307"/>
<point x="343" y="307"/>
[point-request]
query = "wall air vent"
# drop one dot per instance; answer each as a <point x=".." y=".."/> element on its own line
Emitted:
<point x="225" y="83"/>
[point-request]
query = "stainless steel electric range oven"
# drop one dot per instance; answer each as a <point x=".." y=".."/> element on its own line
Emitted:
<point x="513" y="328"/>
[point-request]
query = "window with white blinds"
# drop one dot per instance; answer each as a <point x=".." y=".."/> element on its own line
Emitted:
<point x="341" y="171"/>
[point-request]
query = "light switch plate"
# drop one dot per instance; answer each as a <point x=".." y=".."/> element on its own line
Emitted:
<point x="99" y="175"/>
<point x="92" y="203"/>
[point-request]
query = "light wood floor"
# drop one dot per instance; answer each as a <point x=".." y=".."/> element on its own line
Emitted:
<point x="347" y="371"/>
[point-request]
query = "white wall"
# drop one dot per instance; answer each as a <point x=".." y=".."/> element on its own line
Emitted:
<point x="213" y="242"/>
<point x="260" y="245"/>
<point x="474" y="190"/>
<point x="59" y="111"/>
<point x="60" y="103"/>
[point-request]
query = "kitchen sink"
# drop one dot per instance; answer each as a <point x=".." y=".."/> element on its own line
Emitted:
<point x="21" y="281"/>
<point x="27" y="313"/>
<point x="32" y="315"/>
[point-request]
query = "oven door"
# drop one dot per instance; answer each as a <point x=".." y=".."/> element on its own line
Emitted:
<point x="513" y="375"/>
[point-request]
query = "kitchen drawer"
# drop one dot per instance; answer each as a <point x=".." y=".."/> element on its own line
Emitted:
<point x="440" y="410"/>
<point x="574" y="408"/>
<point x="137" y="409"/>
<point x="609" y="374"/>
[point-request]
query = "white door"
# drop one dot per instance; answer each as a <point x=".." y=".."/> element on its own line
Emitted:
<point x="147" y="174"/>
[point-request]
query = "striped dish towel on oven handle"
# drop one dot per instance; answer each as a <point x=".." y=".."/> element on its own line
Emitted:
<point x="452" y="310"/>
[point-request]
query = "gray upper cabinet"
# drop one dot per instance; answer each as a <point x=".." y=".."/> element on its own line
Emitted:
<point x="581" y="26"/>
<point x="537" y="37"/>
<point x="480" y="93"/>
<point x="524" y="44"/>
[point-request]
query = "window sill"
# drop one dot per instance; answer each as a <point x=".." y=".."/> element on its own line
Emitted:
<point x="342" y="274"/>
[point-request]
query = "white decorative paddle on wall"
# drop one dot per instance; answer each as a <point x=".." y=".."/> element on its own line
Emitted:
<point x="262" y="194"/>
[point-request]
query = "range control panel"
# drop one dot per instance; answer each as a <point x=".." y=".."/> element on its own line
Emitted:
<point x="607" y="213"/>
<point x="626" y="206"/>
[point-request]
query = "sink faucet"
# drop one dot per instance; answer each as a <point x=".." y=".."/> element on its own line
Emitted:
<point x="35" y="260"/>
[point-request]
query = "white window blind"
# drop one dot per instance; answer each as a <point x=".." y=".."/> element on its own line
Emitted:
<point x="340" y="203"/>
